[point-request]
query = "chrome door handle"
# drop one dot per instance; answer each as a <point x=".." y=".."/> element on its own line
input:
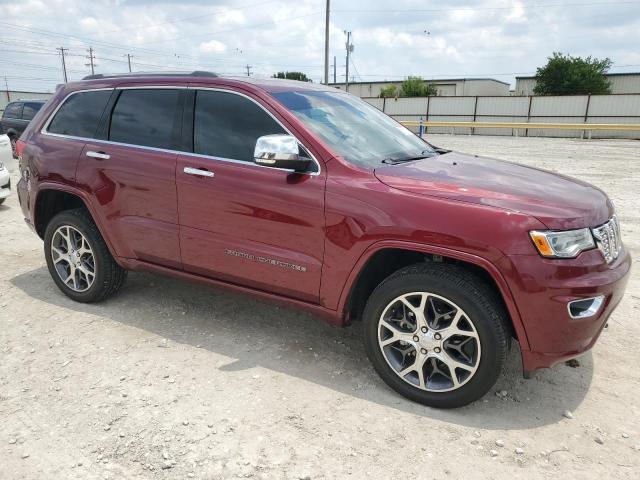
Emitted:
<point x="198" y="171"/>
<point x="98" y="155"/>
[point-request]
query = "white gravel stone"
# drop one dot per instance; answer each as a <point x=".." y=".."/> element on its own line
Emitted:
<point x="493" y="453"/>
<point x="519" y="451"/>
<point x="500" y="443"/>
<point x="567" y="414"/>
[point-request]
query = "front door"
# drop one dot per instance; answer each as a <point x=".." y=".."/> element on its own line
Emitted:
<point x="240" y="222"/>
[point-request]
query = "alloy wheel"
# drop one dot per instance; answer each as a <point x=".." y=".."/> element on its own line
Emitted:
<point x="73" y="258"/>
<point x="429" y="341"/>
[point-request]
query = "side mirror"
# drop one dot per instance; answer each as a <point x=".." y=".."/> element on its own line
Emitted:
<point x="280" y="151"/>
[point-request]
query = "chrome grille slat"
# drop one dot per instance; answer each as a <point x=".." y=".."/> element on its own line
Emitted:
<point x="608" y="239"/>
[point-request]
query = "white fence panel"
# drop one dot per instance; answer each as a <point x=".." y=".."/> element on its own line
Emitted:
<point x="503" y="106"/>
<point x="559" y="106"/>
<point x="406" y="106"/>
<point x="614" y="105"/>
<point x="451" y="106"/>
<point x="376" y="102"/>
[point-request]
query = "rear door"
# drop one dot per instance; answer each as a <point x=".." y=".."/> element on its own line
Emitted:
<point x="12" y="118"/>
<point x="130" y="171"/>
<point x="240" y="222"/>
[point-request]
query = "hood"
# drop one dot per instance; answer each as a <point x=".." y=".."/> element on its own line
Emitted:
<point x="558" y="201"/>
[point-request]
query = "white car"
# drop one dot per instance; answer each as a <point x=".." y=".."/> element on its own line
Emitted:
<point x="6" y="158"/>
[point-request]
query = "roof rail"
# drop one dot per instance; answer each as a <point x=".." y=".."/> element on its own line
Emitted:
<point x="196" y="73"/>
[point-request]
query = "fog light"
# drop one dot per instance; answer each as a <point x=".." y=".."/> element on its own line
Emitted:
<point x="585" y="307"/>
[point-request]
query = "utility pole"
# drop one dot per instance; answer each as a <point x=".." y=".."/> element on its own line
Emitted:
<point x="7" y="87"/>
<point x="129" y="61"/>
<point x="248" y="67"/>
<point x="335" y="80"/>
<point x="64" y="65"/>
<point x="91" y="59"/>
<point x="326" y="44"/>
<point x="349" y="47"/>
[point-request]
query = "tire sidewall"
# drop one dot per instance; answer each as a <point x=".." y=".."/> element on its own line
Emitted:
<point x="69" y="219"/>
<point x="492" y="352"/>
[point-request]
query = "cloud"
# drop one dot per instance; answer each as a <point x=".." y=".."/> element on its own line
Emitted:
<point x="212" y="46"/>
<point x="492" y="38"/>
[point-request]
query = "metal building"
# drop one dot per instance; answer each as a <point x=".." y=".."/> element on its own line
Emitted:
<point x="450" y="87"/>
<point x="620" y="83"/>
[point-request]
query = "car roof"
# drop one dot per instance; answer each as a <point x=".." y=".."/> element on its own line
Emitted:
<point x="271" y="85"/>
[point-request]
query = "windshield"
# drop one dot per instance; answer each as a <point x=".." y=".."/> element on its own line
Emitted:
<point x="355" y="130"/>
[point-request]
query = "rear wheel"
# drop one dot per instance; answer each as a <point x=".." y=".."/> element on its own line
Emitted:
<point x="13" y="140"/>
<point x="436" y="334"/>
<point x="78" y="258"/>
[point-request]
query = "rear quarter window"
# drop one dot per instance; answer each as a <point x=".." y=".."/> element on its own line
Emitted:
<point x="80" y="114"/>
<point x="30" y="109"/>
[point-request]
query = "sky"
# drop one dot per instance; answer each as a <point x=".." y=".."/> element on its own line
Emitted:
<point x="392" y="39"/>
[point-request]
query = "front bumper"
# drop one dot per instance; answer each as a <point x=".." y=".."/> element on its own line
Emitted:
<point x="542" y="288"/>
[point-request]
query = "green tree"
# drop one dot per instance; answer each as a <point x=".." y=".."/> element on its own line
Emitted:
<point x="567" y="75"/>
<point x="415" y="87"/>
<point x="389" y="92"/>
<point x="292" y="76"/>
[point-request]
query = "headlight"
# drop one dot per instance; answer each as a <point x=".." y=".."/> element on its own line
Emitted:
<point x="566" y="244"/>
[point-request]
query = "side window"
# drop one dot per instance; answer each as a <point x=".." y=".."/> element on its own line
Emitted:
<point x="80" y="114"/>
<point x="13" y="110"/>
<point x="30" y="109"/>
<point x="145" y="117"/>
<point x="227" y="125"/>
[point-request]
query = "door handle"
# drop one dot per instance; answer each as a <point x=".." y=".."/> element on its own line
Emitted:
<point x="98" y="155"/>
<point x="197" y="171"/>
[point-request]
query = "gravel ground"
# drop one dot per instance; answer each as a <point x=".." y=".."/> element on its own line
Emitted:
<point x="171" y="380"/>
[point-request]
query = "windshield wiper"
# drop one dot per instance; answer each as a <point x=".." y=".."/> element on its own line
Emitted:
<point x="396" y="161"/>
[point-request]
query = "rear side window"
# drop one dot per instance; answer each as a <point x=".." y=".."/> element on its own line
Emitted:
<point x="13" y="110"/>
<point x="145" y="117"/>
<point x="80" y="114"/>
<point x="30" y="109"/>
<point x="227" y="125"/>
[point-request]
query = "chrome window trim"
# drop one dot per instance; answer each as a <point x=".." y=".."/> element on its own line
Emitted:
<point x="44" y="130"/>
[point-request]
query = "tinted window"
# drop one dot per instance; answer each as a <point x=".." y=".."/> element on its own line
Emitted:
<point x="13" y="110"/>
<point x="30" y="109"/>
<point x="145" y="117"/>
<point x="227" y="125"/>
<point x="80" y="114"/>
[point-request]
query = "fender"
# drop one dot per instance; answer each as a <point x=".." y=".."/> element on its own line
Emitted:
<point x="86" y="199"/>
<point x="483" y="263"/>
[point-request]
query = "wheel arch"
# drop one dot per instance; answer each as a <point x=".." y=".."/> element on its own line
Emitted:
<point x="383" y="258"/>
<point x="52" y="199"/>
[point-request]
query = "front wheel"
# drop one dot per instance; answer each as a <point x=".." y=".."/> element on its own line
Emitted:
<point x="436" y="334"/>
<point x="78" y="258"/>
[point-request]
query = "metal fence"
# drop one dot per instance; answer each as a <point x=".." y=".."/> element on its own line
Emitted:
<point x="573" y="109"/>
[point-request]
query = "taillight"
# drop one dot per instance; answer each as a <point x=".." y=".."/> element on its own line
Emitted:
<point x="20" y="145"/>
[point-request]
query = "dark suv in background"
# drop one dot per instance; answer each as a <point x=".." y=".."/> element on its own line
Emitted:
<point x="16" y="117"/>
<point x="311" y="197"/>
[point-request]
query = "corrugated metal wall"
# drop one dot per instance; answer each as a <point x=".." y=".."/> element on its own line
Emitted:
<point x="532" y="109"/>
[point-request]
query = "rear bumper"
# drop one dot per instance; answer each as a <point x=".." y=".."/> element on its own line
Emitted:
<point x="542" y="288"/>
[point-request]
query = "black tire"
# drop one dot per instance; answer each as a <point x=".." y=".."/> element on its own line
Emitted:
<point x="13" y="140"/>
<point x="2" y="200"/>
<point x="109" y="276"/>
<point x="474" y="297"/>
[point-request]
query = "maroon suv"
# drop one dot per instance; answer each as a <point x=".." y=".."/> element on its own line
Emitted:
<point x="309" y="196"/>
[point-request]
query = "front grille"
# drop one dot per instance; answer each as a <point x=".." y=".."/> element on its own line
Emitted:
<point x="608" y="239"/>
